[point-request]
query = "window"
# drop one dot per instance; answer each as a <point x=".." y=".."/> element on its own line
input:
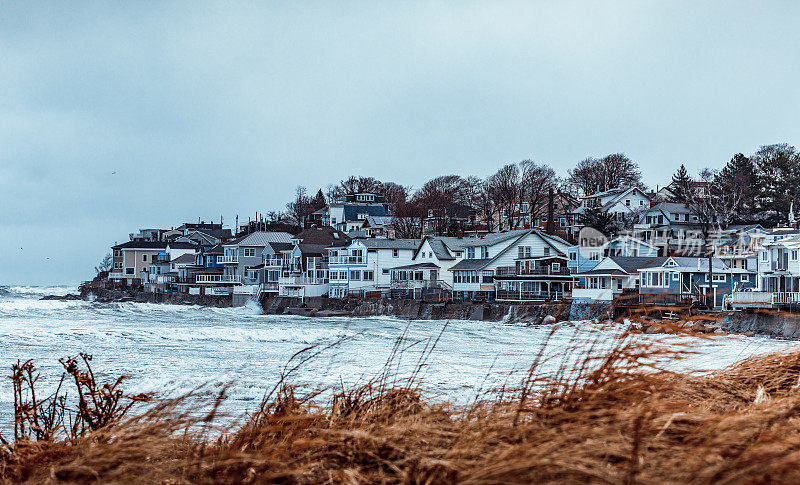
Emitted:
<point x="129" y="270"/>
<point x="470" y="253"/>
<point x="573" y="256"/>
<point x="675" y="276"/>
<point x="641" y="202"/>
<point x="794" y="255"/>
<point x="384" y="271"/>
<point x="144" y="257"/>
<point x="594" y="256"/>
<point x="395" y="253"/>
<point x="334" y="275"/>
<point x="555" y="267"/>
<point x="562" y="222"/>
<point x="745" y="278"/>
<point x="355" y="275"/>
<point x="627" y="202"/>
<point x="249" y="252"/>
<point x="484" y="252"/>
<point x="488" y="276"/>
<point x="117" y="253"/>
<point x="547" y="250"/>
<point x="343" y="275"/>
<point x="369" y="275"/>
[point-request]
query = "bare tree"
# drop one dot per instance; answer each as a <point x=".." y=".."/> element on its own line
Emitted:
<point x="407" y="220"/>
<point x="476" y="195"/>
<point x="105" y="264"/>
<point x="504" y="189"/>
<point x="300" y="207"/>
<point x="537" y="182"/>
<point x="613" y="171"/>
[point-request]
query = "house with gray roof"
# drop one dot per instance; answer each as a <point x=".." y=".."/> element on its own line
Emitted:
<point x="365" y="265"/>
<point x="611" y="277"/>
<point x="683" y="278"/>
<point x="620" y="203"/>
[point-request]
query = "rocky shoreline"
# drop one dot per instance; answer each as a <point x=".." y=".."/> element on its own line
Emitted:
<point x="750" y="322"/>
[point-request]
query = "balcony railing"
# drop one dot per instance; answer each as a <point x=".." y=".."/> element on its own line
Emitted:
<point x="228" y="259"/>
<point x="116" y="276"/>
<point x="348" y="260"/>
<point x="539" y="270"/>
<point x="217" y="278"/>
<point x="302" y="280"/>
<point x="407" y="284"/>
<point x="512" y="295"/>
<point x="273" y="262"/>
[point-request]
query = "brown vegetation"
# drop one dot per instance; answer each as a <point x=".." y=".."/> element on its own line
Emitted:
<point x="608" y="414"/>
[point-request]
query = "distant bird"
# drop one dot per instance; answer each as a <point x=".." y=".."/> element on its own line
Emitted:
<point x="46" y="258"/>
<point x="113" y="173"/>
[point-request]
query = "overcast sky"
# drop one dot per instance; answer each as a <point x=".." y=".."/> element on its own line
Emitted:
<point x="149" y="115"/>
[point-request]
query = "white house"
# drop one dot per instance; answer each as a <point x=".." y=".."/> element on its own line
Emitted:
<point x="365" y="265"/>
<point x="620" y="203"/>
<point x="512" y="255"/>
<point x="610" y="277"/>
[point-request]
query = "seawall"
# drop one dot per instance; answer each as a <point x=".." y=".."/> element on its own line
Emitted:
<point x="763" y="322"/>
<point x="103" y="294"/>
<point x="531" y="313"/>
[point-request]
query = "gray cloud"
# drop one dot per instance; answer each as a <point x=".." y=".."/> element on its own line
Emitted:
<point x="205" y="109"/>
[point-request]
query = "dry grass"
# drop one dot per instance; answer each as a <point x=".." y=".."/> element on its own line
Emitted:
<point x="608" y="414"/>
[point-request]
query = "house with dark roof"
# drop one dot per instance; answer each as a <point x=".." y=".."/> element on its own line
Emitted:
<point x="304" y="270"/>
<point x="365" y="265"/>
<point x="349" y="212"/>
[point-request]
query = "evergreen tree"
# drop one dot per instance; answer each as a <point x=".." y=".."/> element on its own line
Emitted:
<point x="681" y="186"/>
<point x="318" y="202"/>
<point x="740" y="173"/>
<point x="777" y="173"/>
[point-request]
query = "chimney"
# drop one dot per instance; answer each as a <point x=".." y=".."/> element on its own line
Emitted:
<point x="460" y="234"/>
<point x="549" y="225"/>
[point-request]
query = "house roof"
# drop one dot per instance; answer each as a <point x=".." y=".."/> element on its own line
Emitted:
<point x="470" y="264"/>
<point x="279" y="246"/>
<point x="439" y="249"/>
<point x="357" y="234"/>
<point x="631" y="264"/>
<point x="382" y="243"/>
<point x="312" y="249"/>
<point x="218" y="249"/>
<point x="261" y="238"/>
<point x="417" y="266"/>
<point x="673" y="208"/>
<point x="488" y="240"/>
<point x="142" y="245"/>
<point x="373" y="221"/>
<point x="325" y="236"/>
<point x="351" y="211"/>
<point x="184" y="259"/>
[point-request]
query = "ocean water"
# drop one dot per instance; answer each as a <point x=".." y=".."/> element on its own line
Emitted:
<point x="173" y="349"/>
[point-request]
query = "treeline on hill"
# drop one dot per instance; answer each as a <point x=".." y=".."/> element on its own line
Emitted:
<point x="748" y="189"/>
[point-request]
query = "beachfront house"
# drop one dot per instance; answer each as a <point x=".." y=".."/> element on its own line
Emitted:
<point x="532" y="268"/>
<point x="583" y="257"/>
<point x="365" y="264"/>
<point x="611" y="277"/>
<point x="684" y="278"/>
<point x="243" y="260"/>
<point x="304" y="270"/>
